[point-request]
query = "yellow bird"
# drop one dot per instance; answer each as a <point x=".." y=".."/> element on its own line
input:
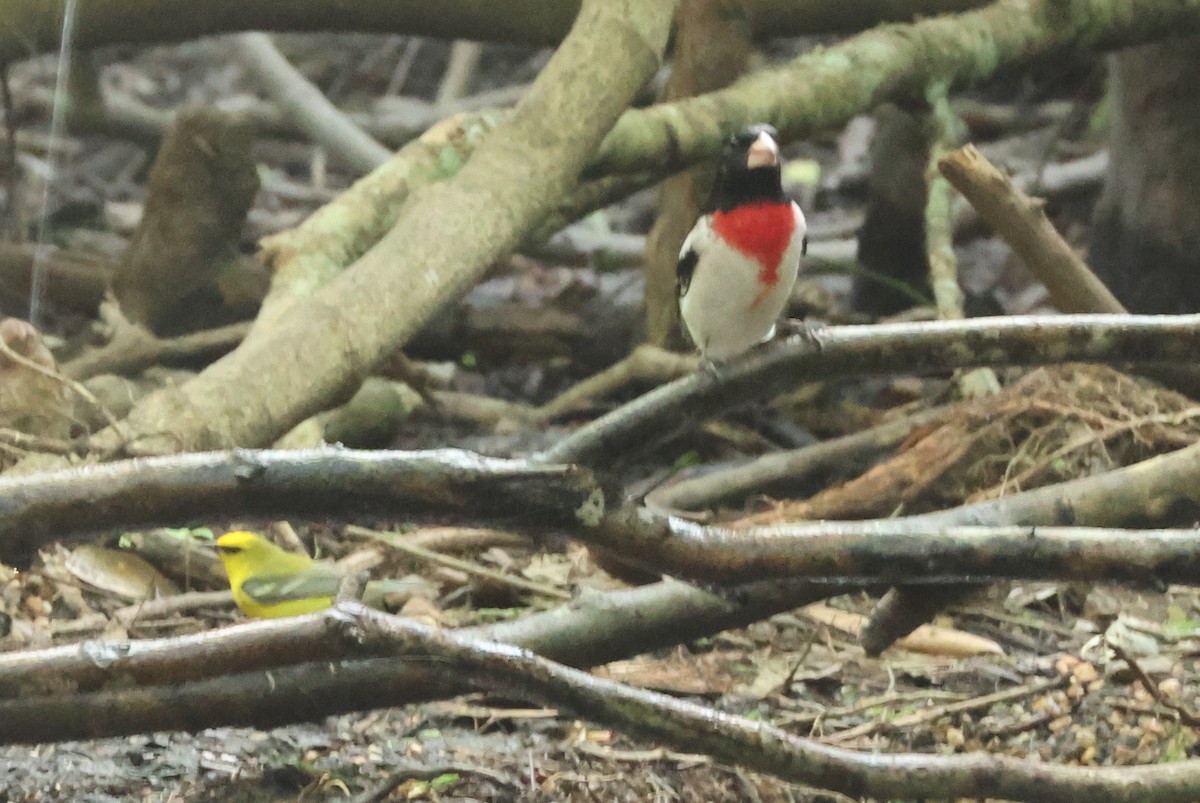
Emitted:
<point x="269" y="582"/>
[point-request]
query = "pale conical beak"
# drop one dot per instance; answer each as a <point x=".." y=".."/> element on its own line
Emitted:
<point x="763" y="153"/>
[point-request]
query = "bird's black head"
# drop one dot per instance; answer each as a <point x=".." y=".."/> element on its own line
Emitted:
<point x="750" y="169"/>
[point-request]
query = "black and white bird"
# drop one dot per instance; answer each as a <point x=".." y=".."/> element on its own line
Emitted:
<point x="738" y="264"/>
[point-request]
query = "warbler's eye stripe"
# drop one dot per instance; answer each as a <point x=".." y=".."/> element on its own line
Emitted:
<point x="228" y="550"/>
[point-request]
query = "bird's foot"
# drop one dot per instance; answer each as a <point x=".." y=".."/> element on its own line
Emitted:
<point x="350" y="588"/>
<point x="710" y="367"/>
<point x="815" y="333"/>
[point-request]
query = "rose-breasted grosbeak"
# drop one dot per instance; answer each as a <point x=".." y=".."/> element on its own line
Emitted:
<point x="738" y="264"/>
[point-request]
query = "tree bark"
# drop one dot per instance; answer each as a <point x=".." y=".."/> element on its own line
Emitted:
<point x="1146" y="231"/>
<point x="200" y="188"/>
<point x="54" y="504"/>
<point x="446" y="236"/>
<point x="828" y="86"/>
<point x="935" y="346"/>
<point x="891" y="242"/>
<point x="28" y="27"/>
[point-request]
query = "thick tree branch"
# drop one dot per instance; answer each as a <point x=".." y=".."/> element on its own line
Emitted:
<point x="307" y="106"/>
<point x="828" y="86"/>
<point x="38" y="507"/>
<point x="908" y="549"/>
<point x="307" y="257"/>
<point x="318" y="351"/>
<point x="754" y="744"/>
<point x="850" y="350"/>
<point x="896" y="550"/>
<point x="678" y="723"/>
<point x="32" y="26"/>
<point x="199" y="672"/>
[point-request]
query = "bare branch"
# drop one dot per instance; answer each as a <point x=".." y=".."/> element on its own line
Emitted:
<point x="37" y="507"/>
<point x="200" y="671"/>
<point x="319" y="350"/>
<point x="1022" y="222"/>
<point x="828" y="86"/>
<point x="308" y="106"/>
<point x="32" y="26"/>
<point x="848" y="350"/>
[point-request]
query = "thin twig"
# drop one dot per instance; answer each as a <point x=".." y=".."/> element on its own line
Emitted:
<point x="464" y="55"/>
<point x="939" y="234"/>
<point x="645" y="363"/>
<point x="400" y="72"/>
<point x="178" y="603"/>
<point x="62" y="379"/>
<point x="1186" y="715"/>
<point x="1021" y="221"/>
<point x="397" y="541"/>
<point x="133" y="348"/>
<point x="36" y="443"/>
<point x="308" y="106"/>
<point x="945" y="709"/>
<point x="687" y="495"/>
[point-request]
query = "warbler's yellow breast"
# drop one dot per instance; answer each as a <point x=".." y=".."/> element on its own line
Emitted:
<point x="269" y="582"/>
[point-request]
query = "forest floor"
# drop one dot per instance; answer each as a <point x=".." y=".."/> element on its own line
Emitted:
<point x="1047" y="686"/>
<point x="1052" y="695"/>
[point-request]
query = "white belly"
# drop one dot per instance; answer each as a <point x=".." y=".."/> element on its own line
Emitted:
<point x="727" y="309"/>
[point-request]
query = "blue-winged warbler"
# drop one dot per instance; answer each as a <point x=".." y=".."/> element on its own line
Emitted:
<point x="268" y="581"/>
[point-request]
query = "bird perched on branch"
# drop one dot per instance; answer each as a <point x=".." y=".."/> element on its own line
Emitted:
<point x="269" y="582"/>
<point x="738" y="264"/>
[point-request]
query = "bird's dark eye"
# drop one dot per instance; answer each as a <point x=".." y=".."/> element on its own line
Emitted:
<point x="746" y="137"/>
<point x="229" y="550"/>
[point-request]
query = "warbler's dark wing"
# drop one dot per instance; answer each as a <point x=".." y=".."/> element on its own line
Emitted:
<point x="316" y="581"/>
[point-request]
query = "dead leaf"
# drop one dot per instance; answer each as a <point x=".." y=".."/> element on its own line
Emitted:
<point x="552" y="570"/>
<point x="422" y="609"/>
<point x="118" y="572"/>
<point x="772" y="672"/>
<point x="674" y="674"/>
<point x="928" y="639"/>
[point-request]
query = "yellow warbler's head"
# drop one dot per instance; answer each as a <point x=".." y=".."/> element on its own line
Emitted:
<point x="248" y="554"/>
<point x="242" y="547"/>
<point x="268" y="581"/>
<point x="239" y="541"/>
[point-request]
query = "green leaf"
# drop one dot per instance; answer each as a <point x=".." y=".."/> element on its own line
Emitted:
<point x="1179" y="623"/>
<point x="502" y="614"/>
<point x="191" y="533"/>
<point x="444" y="780"/>
<point x="802" y="171"/>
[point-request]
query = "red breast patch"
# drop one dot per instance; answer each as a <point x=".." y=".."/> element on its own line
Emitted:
<point x="761" y="232"/>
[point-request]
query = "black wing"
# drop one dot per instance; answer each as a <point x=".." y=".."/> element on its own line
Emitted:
<point x="684" y="270"/>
